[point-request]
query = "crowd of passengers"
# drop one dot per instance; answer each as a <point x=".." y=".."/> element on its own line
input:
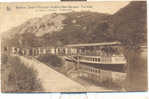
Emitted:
<point x="102" y="52"/>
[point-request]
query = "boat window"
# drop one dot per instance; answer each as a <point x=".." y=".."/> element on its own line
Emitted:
<point x="96" y="70"/>
<point x="98" y="59"/>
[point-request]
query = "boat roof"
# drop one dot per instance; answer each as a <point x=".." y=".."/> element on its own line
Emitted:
<point x="93" y="44"/>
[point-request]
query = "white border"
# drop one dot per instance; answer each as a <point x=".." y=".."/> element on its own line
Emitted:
<point x="127" y="95"/>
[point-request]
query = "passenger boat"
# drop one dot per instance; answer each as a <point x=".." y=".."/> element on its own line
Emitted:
<point x="96" y="53"/>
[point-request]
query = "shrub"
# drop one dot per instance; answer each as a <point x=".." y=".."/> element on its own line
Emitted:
<point x="16" y="77"/>
<point x="51" y="59"/>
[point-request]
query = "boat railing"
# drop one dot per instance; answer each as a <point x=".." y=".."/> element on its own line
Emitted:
<point x="94" y="54"/>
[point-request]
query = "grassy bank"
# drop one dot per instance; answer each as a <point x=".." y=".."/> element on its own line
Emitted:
<point x="51" y="59"/>
<point x="16" y="77"/>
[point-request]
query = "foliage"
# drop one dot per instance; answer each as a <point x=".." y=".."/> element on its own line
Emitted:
<point x="129" y="25"/>
<point x="51" y="59"/>
<point x="78" y="28"/>
<point x="16" y="77"/>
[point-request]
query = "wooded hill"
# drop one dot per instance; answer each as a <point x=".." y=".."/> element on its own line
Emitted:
<point x="128" y="26"/>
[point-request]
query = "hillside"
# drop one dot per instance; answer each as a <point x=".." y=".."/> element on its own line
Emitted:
<point x="56" y="29"/>
<point x="129" y="24"/>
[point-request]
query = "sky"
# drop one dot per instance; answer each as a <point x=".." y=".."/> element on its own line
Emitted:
<point x="25" y="11"/>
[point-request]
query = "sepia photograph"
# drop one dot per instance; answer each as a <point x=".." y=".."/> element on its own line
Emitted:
<point x="74" y="47"/>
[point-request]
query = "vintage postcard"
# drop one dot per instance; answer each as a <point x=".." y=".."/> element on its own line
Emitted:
<point x="74" y="46"/>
